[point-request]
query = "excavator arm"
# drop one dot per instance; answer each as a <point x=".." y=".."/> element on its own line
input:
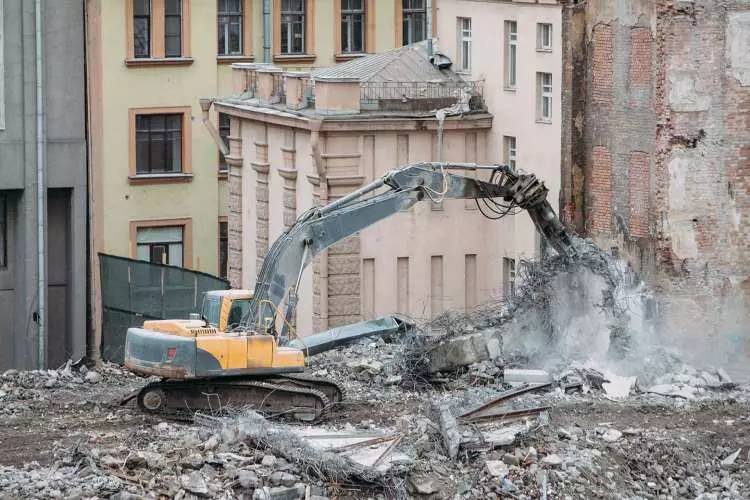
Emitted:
<point x="503" y="194"/>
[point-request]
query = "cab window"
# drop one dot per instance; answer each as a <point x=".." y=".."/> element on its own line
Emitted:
<point x="236" y="312"/>
<point x="210" y="309"/>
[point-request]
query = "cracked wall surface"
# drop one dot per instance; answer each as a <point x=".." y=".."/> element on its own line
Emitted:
<point x="656" y="154"/>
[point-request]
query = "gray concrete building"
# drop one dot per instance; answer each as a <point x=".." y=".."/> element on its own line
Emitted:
<point x="42" y="144"/>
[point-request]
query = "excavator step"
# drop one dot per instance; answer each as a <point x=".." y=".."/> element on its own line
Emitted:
<point x="172" y="398"/>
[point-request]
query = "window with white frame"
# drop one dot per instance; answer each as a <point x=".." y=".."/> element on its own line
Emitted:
<point x="229" y="21"/>
<point x="543" y="36"/>
<point x="544" y="96"/>
<point x="414" y="23"/>
<point x="160" y="245"/>
<point x="510" y="154"/>
<point x="352" y="26"/>
<point x="293" y="26"/>
<point x="463" y="29"/>
<point x="511" y="54"/>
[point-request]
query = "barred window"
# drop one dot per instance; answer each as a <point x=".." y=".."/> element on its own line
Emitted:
<point x="230" y="27"/>
<point x="158" y="143"/>
<point x="352" y="26"/>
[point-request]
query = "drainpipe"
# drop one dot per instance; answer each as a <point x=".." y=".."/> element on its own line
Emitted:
<point x="40" y="194"/>
<point x="267" y="31"/>
<point x="323" y="193"/>
<point x="205" y="108"/>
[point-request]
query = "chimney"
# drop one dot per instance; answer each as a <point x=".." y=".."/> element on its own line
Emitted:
<point x="268" y="91"/>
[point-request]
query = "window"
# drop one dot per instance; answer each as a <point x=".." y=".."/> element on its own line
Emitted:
<point x="511" y="54"/>
<point x="173" y="28"/>
<point x="464" y="44"/>
<point x="509" y="277"/>
<point x="224" y="133"/>
<point x="544" y="97"/>
<point x="142" y="28"/>
<point x="160" y="245"/>
<point x="158" y="143"/>
<point x="3" y="232"/>
<point x="230" y="27"/>
<point x="157" y="30"/>
<point x="292" y="26"/>
<point x="543" y="37"/>
<point x="414" y="21"/>
<point x="352" y="26"/>
<point x="223" y="248"/>
<point x="509" y="151"/>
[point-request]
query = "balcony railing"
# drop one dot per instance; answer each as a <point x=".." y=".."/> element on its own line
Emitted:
<point x="420" y="96"/>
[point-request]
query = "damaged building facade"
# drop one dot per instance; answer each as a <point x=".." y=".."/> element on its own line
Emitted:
<point x="296" y="143"/>
<point x="656" y="148"/>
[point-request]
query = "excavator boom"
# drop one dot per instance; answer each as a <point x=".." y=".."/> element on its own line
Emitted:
<point x="399" y="189"/>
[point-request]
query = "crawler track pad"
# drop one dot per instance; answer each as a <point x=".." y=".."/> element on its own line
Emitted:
<point x="181" y="398"/>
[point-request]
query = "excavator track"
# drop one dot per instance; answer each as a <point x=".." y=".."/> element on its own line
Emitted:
<point x="333" y="391"/>
<point x="180" y="399"/>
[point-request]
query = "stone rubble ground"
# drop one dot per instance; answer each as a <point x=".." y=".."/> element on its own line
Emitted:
<point x="64" y="436"/>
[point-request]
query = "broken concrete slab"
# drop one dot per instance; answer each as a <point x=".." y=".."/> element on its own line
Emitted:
<point x="497" y="468"/>
<point x="729" y="461"/>
<point x="457" y="352"/>
<point x="449" y="430"/>
<point x="525" y="376"/>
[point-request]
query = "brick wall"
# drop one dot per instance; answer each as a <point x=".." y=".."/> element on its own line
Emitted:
<point x="665" y="127"/>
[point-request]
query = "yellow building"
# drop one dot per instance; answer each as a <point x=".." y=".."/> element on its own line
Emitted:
<point x="158" y="183"/>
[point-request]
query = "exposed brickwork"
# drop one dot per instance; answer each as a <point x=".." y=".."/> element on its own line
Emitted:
<point x="666" y="126"/>
<point x="600" y="188"/>
<point x="639" y="184"/>
<point x="640" y="57"/>
<point x="601" y="81"/>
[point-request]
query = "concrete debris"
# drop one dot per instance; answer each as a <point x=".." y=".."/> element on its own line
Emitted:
<point x="611" y="435"/>
<point x="450" y="432"/>
<point x="729" y="461"/>
<point x="552" y="460"/>
<point x="497" y="468"/>
<point x="678" y="390"/>
<point x="525" y="376"/>
<point x="465" y="350"/>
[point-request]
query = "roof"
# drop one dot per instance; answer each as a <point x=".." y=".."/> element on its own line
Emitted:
<point x="410" y="63"/>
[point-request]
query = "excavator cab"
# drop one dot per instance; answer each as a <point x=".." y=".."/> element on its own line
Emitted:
<point x="224" y="309"/>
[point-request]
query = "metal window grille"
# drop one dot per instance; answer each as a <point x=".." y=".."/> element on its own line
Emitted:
<point x="173" y="28"/>
<point x="352" y="26"/>
<point x="464" y="43"/>
<point x="511" y="54"/>
<point x="544" y="89"/>
<point x="142" y="28"/>
<point x="292" y="26"/>
<point x="224" y="125"/>
<point x="414" y="21"/>
<point x="544" y="36"/>
<point x="230" y="27"/>
<point x="158" y="143"/>
<point x="510" y="154"/>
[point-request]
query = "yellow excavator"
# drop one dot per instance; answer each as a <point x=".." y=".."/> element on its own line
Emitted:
<point x="236" y="355"/>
